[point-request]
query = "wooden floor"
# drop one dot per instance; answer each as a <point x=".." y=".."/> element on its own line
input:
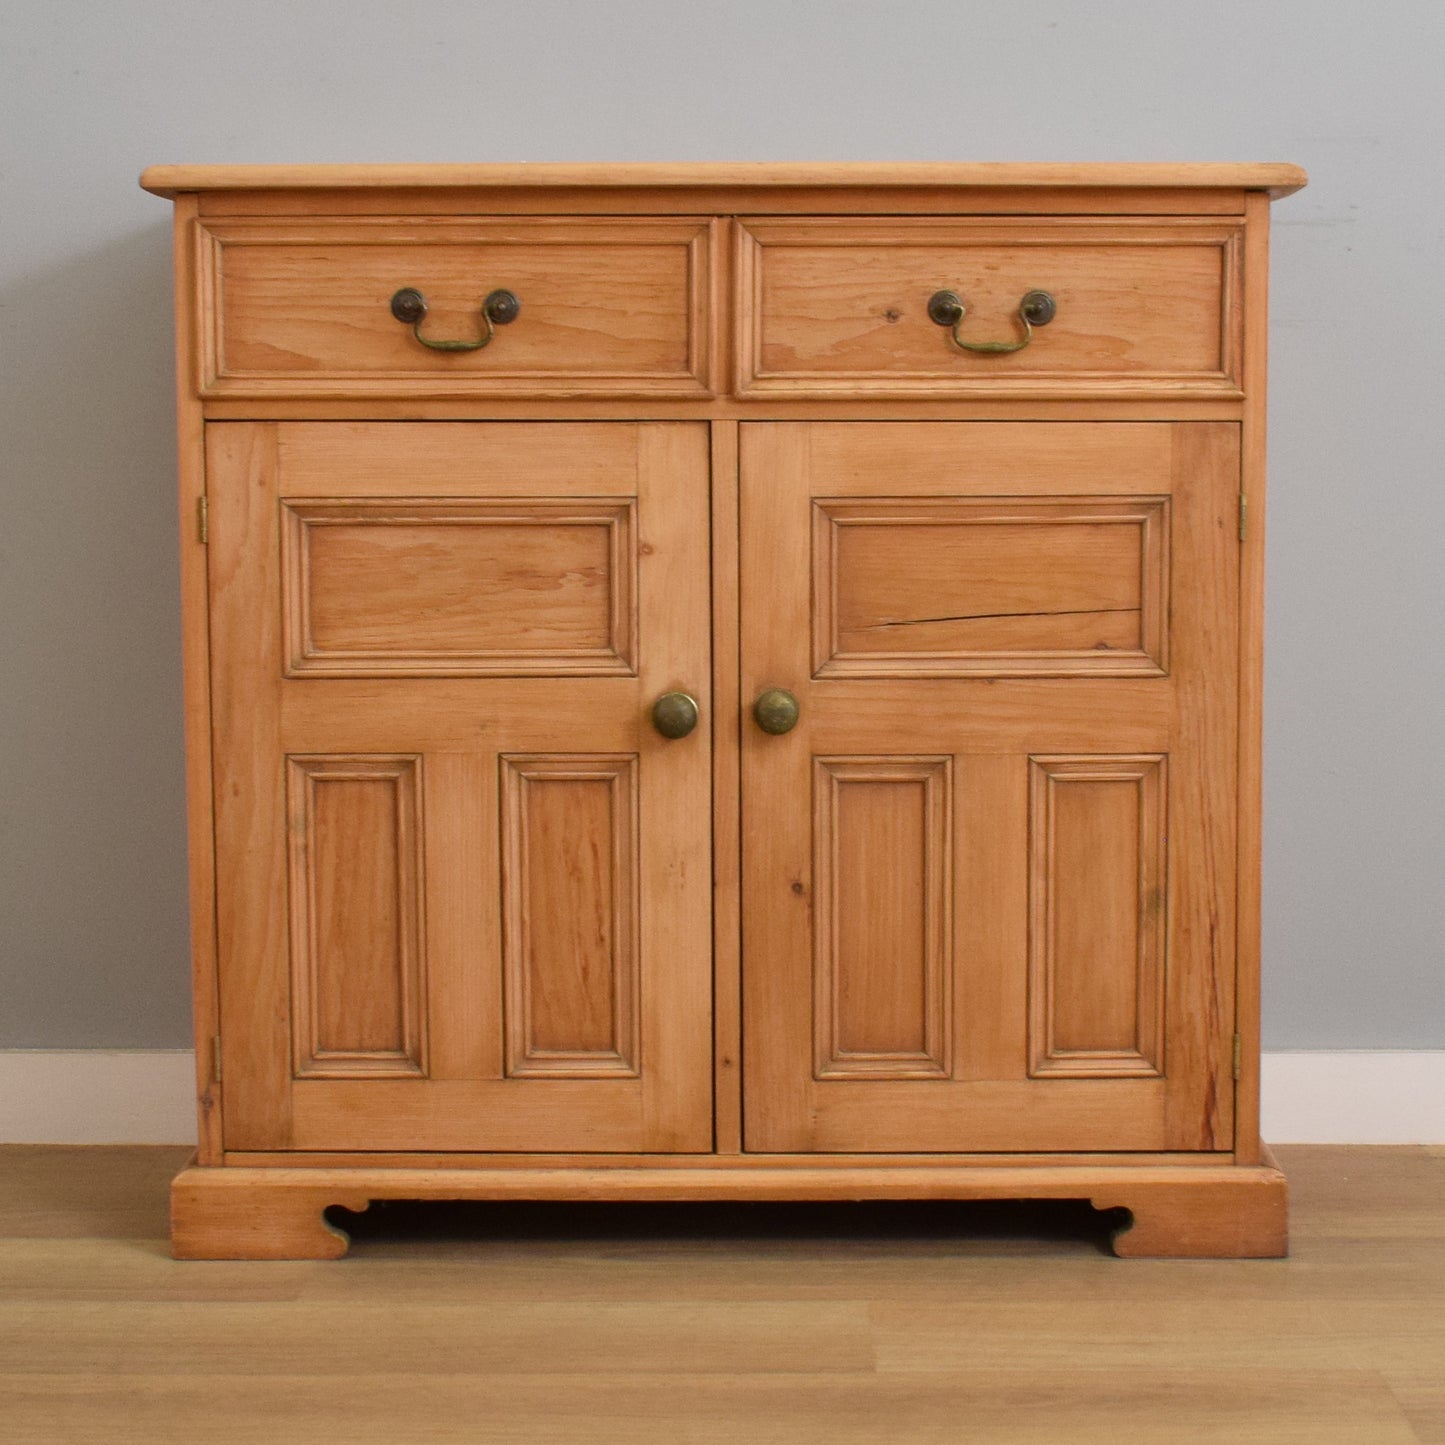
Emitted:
<point x="687" y="1325"/>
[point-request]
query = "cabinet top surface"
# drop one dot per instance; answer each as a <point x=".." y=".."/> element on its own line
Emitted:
<point x="1278" y="178"/>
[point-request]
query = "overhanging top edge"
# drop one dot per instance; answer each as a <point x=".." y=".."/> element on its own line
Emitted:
<point x="1278" y="178"/>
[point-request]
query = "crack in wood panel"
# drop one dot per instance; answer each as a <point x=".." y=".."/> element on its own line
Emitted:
<point x="1043" y="586"/>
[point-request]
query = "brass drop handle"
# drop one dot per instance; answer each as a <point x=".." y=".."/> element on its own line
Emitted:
<point x="675" y="714"/>
<point x="776" y="711"/>
<point x="946" y="308"/>
<point x="499" y="309"/>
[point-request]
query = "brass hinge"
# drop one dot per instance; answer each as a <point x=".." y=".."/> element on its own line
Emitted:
<point x="202" y="524"/>
<point x="1238" y="1058"/>
<point x="216" y="1058"/>
<point x="1243" y="516"/>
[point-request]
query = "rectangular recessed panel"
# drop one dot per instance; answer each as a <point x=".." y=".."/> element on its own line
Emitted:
<point x="570" y="915"/>
<point x="357" y="955"/>
<point x="954" y="586"/>
<point x="458" y="587"/>
<point x="883" y="892"/>
<point x="1097" y="915"/>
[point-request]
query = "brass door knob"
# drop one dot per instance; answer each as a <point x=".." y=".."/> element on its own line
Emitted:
<point x="776" y="711"/>
<point x="675" y="714"/>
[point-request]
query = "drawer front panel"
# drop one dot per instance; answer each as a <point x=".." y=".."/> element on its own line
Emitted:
<point x="302" y="308"/>
<point x="839" y="307"/>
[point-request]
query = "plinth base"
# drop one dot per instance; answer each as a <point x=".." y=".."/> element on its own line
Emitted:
<point x="1219" y="1211"/>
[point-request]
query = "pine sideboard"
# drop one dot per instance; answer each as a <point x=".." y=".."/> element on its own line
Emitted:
<point x="724" y="682"/>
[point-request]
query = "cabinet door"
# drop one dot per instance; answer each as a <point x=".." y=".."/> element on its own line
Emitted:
<point x="988" y="877"/>
<point x="463" y="896"/>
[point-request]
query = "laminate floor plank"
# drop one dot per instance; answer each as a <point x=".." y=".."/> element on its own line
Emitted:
<point x="658" y="1336"/>
<point x="720" y="1325"/>
<point x="1010" y="1408"/>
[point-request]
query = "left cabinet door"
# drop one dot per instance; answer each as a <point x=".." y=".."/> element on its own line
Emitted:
<point x="463" y="887"/>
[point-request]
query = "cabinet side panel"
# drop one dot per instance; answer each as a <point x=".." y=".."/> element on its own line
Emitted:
<point x="1251" y="674"/>
<point x="196" y="673"/>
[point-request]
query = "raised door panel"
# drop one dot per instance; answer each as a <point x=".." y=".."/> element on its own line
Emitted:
<point x="881" y="837"/>
<point x="477" y="587"/>
<point x="1098" y="861"/>
<point x="570" y="906"/>
<point x="989" y="586"/>
<point x="463" y="884"/>
<point x="988" y="894"/>
<point x="358" y="984"/>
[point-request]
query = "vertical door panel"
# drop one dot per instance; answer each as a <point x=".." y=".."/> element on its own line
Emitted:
<point x="464" y="883"/>
<point x="987" y="897"/>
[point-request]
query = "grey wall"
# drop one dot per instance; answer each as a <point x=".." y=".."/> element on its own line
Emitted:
<point x="92" y="897"/>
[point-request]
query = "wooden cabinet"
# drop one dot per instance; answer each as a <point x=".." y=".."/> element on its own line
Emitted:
<point x="506" y="884"/>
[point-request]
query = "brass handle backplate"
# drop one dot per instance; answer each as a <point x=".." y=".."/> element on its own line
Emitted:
<point x="675" y="714"/>
<point x="499" y="309"/>
<point x="946" y="308"/>
<point x="776" y="711"/>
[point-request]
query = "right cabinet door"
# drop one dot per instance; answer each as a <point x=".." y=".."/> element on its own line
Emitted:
<point x="989" y="874"/>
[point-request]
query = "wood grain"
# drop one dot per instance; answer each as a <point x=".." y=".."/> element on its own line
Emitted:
<point x="883" y="877"/>
<point x="834" y="306"/>
<point x="358" y="947"/>
<point x="1199" y="1010"/>
<point x="619" y="901"/>
<point x="1251" y="680"/>
<point x="1278" y="178"/>
<point x="482" y="587"/>
<point x="1165" y="1089"/>
<point x="971" y="408"/>
<point x="252" y="927"/>
<point x="571" y="925"/>
<point x="196" y="697"/>
<point x="1098" y="891"/>
<point x="1213" y="1211"/>
<point x="301" y="307"/>
<point x="727" y="721"/>
<point x="968" y="586"/>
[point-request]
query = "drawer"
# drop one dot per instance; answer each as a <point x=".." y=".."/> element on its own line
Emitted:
<point x="303" y="308"/>
<point x="840" y="307"/>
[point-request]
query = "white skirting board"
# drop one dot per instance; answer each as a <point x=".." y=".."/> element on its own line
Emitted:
<point x="146" y="1096"/>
